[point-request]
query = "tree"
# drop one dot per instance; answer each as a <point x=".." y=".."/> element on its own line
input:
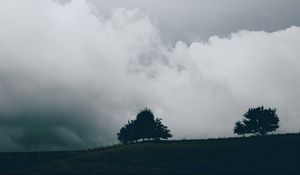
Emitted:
<point x="239" y="128"/>
<point x="145" y="126"/>
<point x="257" y="121"/>
<point x="127" y="133"/>
<point x="161" y="131"/>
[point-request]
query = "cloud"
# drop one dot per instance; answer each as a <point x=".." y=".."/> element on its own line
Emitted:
<point x="63" y="71"/>
<point x="228" y="75"/>
<point x="200" y="19"/>
<point x="71" y="75"/>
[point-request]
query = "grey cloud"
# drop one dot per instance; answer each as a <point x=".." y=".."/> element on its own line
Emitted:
<point x="63" y="72"/>
<point x="200" y="19"/>
<point x="71" y="74"/>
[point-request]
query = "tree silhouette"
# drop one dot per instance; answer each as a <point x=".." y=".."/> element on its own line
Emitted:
<point x="258" y="121"/>
<point x="127" y="133"/>
<point x="161" y="130"/>
<point x="145" y="126"/>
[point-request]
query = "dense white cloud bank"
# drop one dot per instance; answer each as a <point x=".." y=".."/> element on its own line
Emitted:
<point x="69" y="75"/>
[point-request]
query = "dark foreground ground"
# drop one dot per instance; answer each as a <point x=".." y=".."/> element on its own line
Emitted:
<point x="277" y="154"/>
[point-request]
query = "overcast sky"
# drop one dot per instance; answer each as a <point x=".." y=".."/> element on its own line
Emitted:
<point x="194" y="20"/>
<point x="73" y="72"/>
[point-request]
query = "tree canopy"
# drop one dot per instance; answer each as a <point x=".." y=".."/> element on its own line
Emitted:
<point x="257" y="121"/>
<point x="145" y="126"/>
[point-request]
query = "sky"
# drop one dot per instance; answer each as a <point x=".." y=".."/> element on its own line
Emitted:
<point x="72" y="72"/>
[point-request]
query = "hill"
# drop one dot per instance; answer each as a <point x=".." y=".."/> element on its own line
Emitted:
<point x="276" y="154"/>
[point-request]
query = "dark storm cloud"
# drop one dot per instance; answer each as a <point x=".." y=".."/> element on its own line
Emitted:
<point x="71" y="73"/>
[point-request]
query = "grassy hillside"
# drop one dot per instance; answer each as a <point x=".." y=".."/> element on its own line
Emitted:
<point x="278" y="154"/>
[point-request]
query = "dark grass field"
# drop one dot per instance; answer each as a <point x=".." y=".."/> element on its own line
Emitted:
<point x="276" y="154"/>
